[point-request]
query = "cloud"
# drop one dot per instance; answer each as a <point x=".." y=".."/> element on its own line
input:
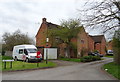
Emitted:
<point x="25" y="14"/>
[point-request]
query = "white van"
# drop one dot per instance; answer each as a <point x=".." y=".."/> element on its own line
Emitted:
<point x="26" y="52"/>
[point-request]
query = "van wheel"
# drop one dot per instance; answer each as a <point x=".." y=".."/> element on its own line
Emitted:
<point x="27" y="60"/>
<point x="15" y="58"/>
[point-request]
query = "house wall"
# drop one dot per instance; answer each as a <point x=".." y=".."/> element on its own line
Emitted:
<point x="62" y="49"/>
<point x="73" y="50"/>
<point x="90" y="44"/>
<point x="98" y="47"/>
<point x="103" y="46"/>
<point x="41" y="36"/>
<point x="82" y="43"/>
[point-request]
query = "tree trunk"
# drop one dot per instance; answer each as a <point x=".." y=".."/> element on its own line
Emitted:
<point x="117" y="55"/>
<point x="67" y="51"/>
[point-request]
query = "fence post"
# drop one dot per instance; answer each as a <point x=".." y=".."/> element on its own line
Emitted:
<point x="11" y="64"/>
<point x="5" y="65"/>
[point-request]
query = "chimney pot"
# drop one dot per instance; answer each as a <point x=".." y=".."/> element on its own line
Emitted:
<point x="44" y="20"/>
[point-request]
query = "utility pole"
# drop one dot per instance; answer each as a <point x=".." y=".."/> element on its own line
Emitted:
<point x="47" y="43"/>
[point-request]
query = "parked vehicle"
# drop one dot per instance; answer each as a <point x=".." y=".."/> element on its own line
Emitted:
<point x="110" y="52"/>
<point x="95" y="54"/>
<point x="26" y="52"/>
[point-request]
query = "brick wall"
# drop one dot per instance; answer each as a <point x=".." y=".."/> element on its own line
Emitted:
<point x="82" y="43"/>
<point x="103" y="46"/>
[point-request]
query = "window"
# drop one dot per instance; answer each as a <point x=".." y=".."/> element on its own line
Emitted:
<point x="32" y="50"/>
<point x="20" y="51"/>
<point x="25" y="51"/>
<point x="82" y="41"/>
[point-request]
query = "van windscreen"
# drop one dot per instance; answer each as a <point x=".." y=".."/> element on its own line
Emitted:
<point x="32" y="50"/>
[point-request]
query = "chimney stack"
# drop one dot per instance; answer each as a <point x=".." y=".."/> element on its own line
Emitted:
<point x="44" y="20"/>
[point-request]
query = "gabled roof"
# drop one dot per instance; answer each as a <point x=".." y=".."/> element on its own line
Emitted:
<point x="51" y="25"/>
<point x="97" y="38"/>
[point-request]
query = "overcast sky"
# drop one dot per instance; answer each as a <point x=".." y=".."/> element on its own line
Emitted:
<point x="27" y="15"/>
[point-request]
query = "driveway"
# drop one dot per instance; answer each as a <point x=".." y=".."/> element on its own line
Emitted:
<point x="67" y="71"/>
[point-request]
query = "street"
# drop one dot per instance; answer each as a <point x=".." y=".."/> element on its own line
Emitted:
<point x="75" y="71"/>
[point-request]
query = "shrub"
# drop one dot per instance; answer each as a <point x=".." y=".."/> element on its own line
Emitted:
<point x="90" y="58"/>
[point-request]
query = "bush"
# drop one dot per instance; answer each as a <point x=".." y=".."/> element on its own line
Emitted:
<point x="90" y="58"/>
<point x="6" y="57"/>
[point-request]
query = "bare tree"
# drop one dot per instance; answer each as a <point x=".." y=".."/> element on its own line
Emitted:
<point x="103" y="14"/>
<point x="17" y="38"/>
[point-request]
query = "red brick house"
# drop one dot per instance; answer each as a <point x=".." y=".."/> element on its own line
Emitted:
<point x="84" y="42"/>
<point x="87" y="43"/>
<point x="98" y="43"/>
<point x="42" y="35"/>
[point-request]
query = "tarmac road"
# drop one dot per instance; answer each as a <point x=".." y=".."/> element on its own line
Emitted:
<point x="73" y="71"/>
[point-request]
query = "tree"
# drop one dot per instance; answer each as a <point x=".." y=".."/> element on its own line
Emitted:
<point x="16" y="38"/>
<point x="105" y="15"/>
<point x="68" y="30"/>
<point x="116" y="46"/>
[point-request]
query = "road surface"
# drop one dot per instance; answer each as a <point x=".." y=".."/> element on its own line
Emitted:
<point x="74" y="71"/>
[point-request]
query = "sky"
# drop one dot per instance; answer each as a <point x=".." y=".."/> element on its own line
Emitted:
<point x="26" y="15"/>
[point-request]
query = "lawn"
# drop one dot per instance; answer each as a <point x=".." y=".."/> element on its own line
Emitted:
<point x="113" y="69"/>
<point x="20" y="65"/>
<point x="70" y="59"/>
<point x="109" y="56"/>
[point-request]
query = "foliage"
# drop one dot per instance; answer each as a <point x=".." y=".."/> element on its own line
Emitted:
<point x="70" y="59"/>
<point x="6" y="57"/>
<point x="90" y="58"/>
<point x="113" y="69"/>
<point x="109" y="56"/>
<point x="83" y="51"/>
<point x="116" y="47"/>
<point x="73" y="46"/>
<point x="95" y="51"/>
<point x="16" y="38"/>
<point x="64" y="33"/>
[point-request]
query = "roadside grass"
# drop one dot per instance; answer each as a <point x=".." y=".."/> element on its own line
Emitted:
<point x="70" y="59"/>
<point x="19" y="65"/>
<point x="0" y="62"/>
<point x="113" y="69"/>
<point x="109" y="56"/>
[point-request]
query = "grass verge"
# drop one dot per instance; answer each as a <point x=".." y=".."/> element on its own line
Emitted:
<point x="70" y="59"/>
<point x="19" y="65"/>
<point x="113" y="69"/>
<point x="109" y="56"/>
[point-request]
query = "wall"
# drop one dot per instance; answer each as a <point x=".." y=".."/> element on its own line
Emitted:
<point x="41" y="36"/>
<point x="103" y="46"/>
<point x="90" y="44"/>
<point x="82" y="43"/>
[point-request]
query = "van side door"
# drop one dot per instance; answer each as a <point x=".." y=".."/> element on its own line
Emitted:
<point x="21" y="53"/>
